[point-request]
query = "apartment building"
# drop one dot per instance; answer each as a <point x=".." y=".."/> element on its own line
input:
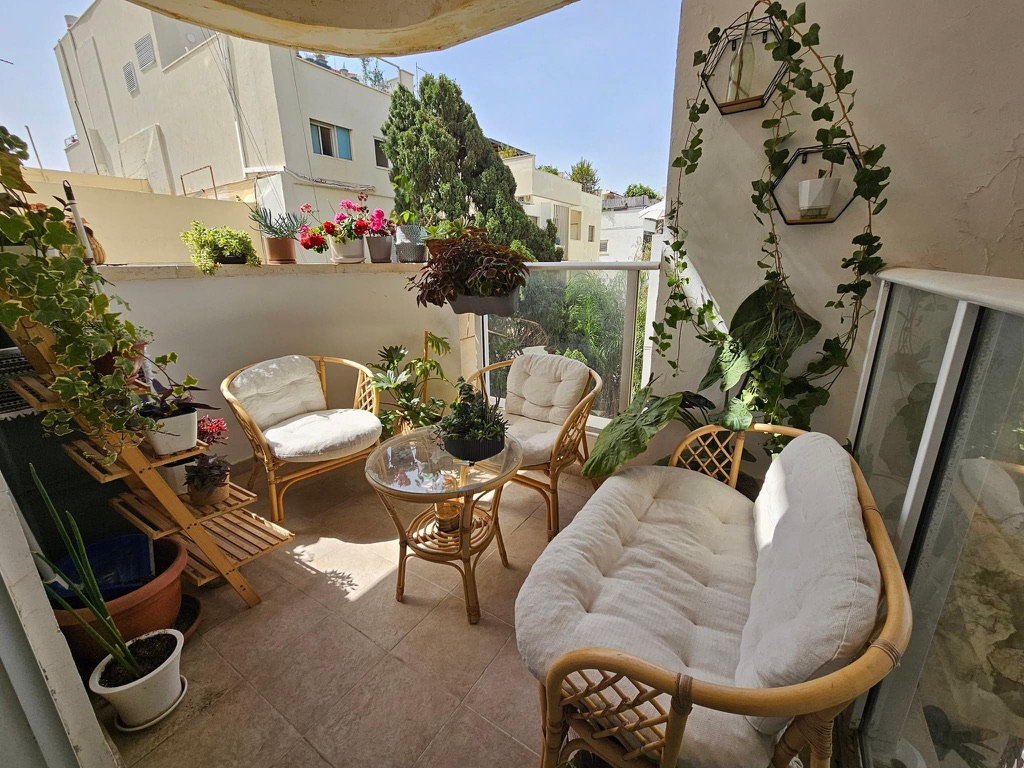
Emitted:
<point x="628" y="226"/>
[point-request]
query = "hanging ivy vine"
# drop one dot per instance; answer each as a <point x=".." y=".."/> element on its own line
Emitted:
<point x="752" y="360"/>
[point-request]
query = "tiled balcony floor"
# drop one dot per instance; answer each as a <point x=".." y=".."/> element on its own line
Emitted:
<point x="330" y="671"/>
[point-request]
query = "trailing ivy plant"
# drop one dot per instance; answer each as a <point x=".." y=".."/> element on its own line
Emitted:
<point x="752" y="360"/>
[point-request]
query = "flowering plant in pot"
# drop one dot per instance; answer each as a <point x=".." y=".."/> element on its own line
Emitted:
<point x="173" y="408"/>
<point x="469" y="272"/>
<point x="474" y="429"/>
<point x="380" y="237"/>
<point x="141" y="678"/>
<point x="211" y="431"/>
<point x="208" y="480"/>
<point x="279" y="233"/>
<point x="211" y="247"/>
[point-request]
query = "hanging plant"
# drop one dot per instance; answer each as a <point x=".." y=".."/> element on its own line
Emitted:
<point x="752" y="359"/>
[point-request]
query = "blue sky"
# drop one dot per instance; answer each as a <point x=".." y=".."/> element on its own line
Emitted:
<point x="591" y="80"/>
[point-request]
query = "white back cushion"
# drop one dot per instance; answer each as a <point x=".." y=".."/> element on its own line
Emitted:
<point x="278" y="389"/>
<point x="545" y="387"/>
<point x="817" y="584"/>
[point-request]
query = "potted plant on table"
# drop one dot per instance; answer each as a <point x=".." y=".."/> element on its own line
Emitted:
<point x="211" y="247"/>
<point x="279" y="233"/>
<point x="208" y="480"/>
<point x="210" y="431"/>
<point x="474" y="429"/>
<point x="380" y="237"/>
<point x="141" y="678"/>
<point x="469" y="272"/>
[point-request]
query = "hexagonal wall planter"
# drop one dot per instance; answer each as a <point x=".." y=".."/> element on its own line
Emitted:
<point x="812" y="190"/>
<point x="740" y="74"/>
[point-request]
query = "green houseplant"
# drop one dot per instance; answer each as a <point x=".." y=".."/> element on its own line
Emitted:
<point x="141" y="677"/>
<point x="208" y="480"/>
<point x="469" y="272"/>
<point x="211" y="247"/>
<point x="409" y="246"/>
<point x="406" y="384"/>
<point x="474" y="429"/>
<point x="279" y="233"/>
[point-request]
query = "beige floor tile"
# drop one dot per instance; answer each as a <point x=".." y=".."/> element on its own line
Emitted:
<point x="302" y="755"/>
<point x="508" y="695"/>
<point x="209" y="677"/>
<point x="469" y="740"/>
<point x="386" y="721"/>
<point x="451" y="649"/>
<point x="444" y="576"/>
<point x="360" y="520"/>
<point x="293" y="562"/>
<point x="527" y="541"/>
<point x="240" y="730"/>
<point x="383" y="619"/>
<point x="315" y="671"/>
<point x="344" y="573"/>
<point x="568" y="505"/>
<point x="221" y="602"/>
<point x="255" y="638"/>
<point x="498" y="586"/>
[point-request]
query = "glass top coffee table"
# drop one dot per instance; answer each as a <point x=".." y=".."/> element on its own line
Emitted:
<point x="455" y="529"/>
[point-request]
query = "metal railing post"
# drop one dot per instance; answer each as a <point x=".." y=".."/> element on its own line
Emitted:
<point x="629" y="339"/>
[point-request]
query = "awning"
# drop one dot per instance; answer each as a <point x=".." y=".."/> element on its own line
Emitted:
<point x="356" y="27"/>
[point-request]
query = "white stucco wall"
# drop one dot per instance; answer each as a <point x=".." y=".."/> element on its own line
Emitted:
<point x="624" y="231"/>
<point x="941" y="90"/>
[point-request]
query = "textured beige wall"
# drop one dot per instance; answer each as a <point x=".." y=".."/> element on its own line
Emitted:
<point x="941" y="89"/>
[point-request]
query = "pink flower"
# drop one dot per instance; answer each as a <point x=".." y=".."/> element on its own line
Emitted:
<point x="305" y="208"/>
<point x="348" y="205"/>
<point x="303" y="230"/>
<point x="340" y="217"/>
<point x="377" y="220"/>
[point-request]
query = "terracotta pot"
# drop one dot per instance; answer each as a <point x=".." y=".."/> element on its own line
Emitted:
<point x="280" y="250"/>
<point x="153" y="606"/>
<point x="211" y="496"/>
<point x="380" y="248"/>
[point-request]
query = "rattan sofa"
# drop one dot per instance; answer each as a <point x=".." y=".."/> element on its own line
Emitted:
<point x="674" y="621"/>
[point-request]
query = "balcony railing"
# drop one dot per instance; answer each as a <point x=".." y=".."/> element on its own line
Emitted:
<point x="596" y="312"/>
<point x="369" y="70"/>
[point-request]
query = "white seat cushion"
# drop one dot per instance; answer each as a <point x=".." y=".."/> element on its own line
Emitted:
<point x="660" y="564"/>
<point x="545" y="387"/>
<point x="278" y="389"/>
<point x="815" y="600"/>
<point x="323" y="435"/>
<point x="536" y="437"/>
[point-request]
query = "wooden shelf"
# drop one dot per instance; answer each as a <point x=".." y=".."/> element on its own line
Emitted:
<point x="159" y="461"/>
<point x="241" y="535"/>
<point x="90" y="457"/>
<point x="143" y="511"/>
<point x="35" y="390"/>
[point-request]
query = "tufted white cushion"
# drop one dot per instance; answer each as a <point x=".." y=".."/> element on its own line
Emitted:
<point x="815" y="599"/>
<point x="660" y="564"/>
<point x="536" y="437"/>
<point x="278" y="389"/>
<point x="545" y="387"/>
<point x="323" y="435"/>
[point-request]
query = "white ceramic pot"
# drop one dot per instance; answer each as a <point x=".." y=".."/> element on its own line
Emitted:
<point x="151" y="698"/>
<point x="350" y="252"/>
<point x="174" y="475"/>
<point x="816" y="196"/>
<point x="174" y="433"/>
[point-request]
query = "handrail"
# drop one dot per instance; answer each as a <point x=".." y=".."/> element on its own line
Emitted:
<point x="627" y="266"/>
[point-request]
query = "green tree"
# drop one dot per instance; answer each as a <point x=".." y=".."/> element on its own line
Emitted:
<point x="435" y="141"/>
<point x="549" y="169"/>
<point x="583" y="172"/>
<point x="639" y="190"/>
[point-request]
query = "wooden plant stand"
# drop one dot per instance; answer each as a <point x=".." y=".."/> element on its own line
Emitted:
<point x="220" y="538"/>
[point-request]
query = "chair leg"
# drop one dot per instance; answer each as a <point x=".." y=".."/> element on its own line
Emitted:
<point x="501" y="543"/>
<point x="276" y="505"/>
<point x="402" y="557"/>
<point x="551" y="497"/>
<point x="252" y="475"/>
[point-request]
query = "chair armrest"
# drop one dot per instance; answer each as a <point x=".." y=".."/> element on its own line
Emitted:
<point x="575" y="427"/>
<point x="366" y="397"/>
<point x="478" y="376"/>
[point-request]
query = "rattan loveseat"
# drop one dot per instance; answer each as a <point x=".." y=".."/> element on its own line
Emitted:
<point x="674" y="621"/>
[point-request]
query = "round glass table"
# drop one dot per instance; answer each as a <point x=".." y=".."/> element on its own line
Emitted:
<point x="455" y="529"/>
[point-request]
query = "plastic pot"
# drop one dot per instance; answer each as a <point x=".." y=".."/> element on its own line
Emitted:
<point x="349" y="252"/>
<point x="473" y="450"/>
<point x="816" y="196"/>
<point x="380" y="248"/>
<point x="486" y="305"/>
<point x="176" y="433"/>
<point x="280" y="250"/>
<point x="149" y="699"/>
<point x="409" y="245"/>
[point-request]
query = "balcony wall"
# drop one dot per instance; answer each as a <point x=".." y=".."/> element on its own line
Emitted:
<point x="243" y="315"/>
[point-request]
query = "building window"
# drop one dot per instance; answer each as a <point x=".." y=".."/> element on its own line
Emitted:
<point x="574" y="231"/>
<point x="590" y="233"/>
<point x="378" y="151"/>
<point x="603" y="247"/>
<point x="144" y="52"/>
<point x="130" y="81"/>
<point x="330" y="140"/>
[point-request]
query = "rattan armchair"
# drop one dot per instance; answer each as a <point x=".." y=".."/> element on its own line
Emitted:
<point x="569" y="446"/>
<point x="366" y="400"/>
<point x="609" y="700"/>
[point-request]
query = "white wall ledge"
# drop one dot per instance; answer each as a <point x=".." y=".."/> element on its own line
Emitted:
<point x="121" y="272"/>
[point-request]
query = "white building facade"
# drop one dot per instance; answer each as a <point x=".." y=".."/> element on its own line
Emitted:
<point x="196" y="112"/>
<point x="628" y="227"/>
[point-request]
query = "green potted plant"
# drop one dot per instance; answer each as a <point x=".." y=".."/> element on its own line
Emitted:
<point x="141" y="678"/>
<point x="211" y="431"/>
<point x="171" y="409"/>
<point x="469" y="272"/>
<point x="474" y="429"/>
<point x="208" y="480"/>
<point x="211" y="247"/>
<point x="409" y="246"/>
<point x="279" y="233"/>
<point x="405" y="383"/>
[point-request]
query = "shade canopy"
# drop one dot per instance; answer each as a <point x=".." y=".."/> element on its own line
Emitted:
<point x="356" y="27"/>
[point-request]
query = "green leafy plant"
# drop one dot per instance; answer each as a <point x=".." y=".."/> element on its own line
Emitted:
<point x="640" y="190"/>
<point x="549" y="169"/>
<point x="206" y="473"/>
<point x="87" y="589"/>
<point x="403" y="191"/>
<point x="211" y="247"/>
<point x="472" y="417"/>
<point x="405" y="383"/>
<point x="55" y="308"/>
<point x="282" y="225"/>
<point x="469" y="265"/>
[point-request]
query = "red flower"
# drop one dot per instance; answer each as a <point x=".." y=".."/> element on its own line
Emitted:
<point x="313" y="241"/>
<point x="330" y="227"/>
<point x="360" y="227"/>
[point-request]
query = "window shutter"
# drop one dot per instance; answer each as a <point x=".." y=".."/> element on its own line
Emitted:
<point x="130" y="80"/>
<point x="144" y="52"/>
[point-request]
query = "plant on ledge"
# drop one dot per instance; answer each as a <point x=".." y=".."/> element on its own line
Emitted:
<point x="752" y="364"/>
<point x="209" y="248"/>
<point x="467" y="266"/>
<point x="407" y="385"/>
<point x="474" y="429"/>
<point x="284" y="226"/>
